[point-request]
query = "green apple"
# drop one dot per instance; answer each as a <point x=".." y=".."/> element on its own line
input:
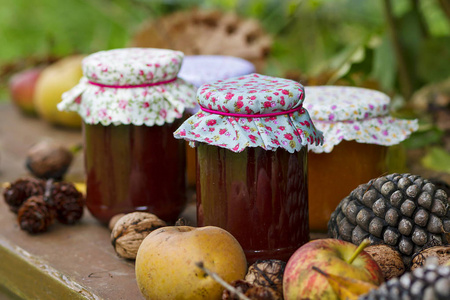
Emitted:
<point x="22" y="87"/>
<point x="166" y="262"/>
<point x="336" y="257"/>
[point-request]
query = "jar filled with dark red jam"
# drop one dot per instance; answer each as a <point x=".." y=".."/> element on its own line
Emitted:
<point x="131" y="101"/>
<point x="251" y="136"/>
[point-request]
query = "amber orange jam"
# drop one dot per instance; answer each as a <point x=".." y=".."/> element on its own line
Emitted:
<point x="357" y="131"/>
<point x="134" y="168"/>
<point x="332" y="176"/>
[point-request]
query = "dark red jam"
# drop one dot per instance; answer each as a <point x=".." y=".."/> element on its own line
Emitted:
<point x="259" y="196"/>
<point x="134" y="168"/>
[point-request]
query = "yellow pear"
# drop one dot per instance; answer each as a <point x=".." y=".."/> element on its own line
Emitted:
<point x="54" y="80"/>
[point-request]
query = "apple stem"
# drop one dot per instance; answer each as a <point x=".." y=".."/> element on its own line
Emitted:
<point x="364" y="244"/>
<point x="222" y="282"/>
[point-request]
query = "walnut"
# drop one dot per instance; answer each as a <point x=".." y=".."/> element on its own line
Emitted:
<point x="267" y="273"/>
<point x="114" y="220"/>
<point x="442" y="253"/>
<point x="47" y="159"/>
<point x="130" y="230"/>
<point x="389" y="260"/>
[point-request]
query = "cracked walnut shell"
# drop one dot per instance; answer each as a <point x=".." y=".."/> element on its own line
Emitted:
<point x="130" y="230"/>
<point x="388" y="259"/>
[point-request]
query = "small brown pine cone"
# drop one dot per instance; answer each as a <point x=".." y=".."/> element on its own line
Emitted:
<point x="267" y="273"/>
<point x="20" y="190"/>
<point x="68" y="202"/>
<point x="35" y="215"/>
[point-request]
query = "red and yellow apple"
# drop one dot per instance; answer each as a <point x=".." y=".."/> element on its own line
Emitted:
<point x="333" y="256"/>
<point x="56" y="79"/>
<point x="21" y="88"/>
<point x="166" y="262"/>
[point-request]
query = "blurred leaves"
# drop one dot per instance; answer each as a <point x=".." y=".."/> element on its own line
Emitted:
<point x="437" y="159"/>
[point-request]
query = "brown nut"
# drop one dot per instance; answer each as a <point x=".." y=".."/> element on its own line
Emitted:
<point x="48" y="160"/>
<point x="388" y="259"/>
<point x="130" y="230"/>
<point x="114" y="220"/>
<point x="442" y="253"/>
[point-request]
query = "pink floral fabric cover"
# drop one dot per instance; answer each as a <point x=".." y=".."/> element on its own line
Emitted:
<point x="149" y="105"/>
<point x="251" y="94"/>
<point x="351" y="113"/>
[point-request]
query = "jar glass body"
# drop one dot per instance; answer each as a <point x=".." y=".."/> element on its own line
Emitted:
<point x="134" y="168"/>
<point x="332" y="176"/>
<point x="259" y="196"/>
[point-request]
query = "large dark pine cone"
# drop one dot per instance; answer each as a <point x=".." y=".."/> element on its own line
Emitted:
<point x="35" y="215"/>
<point x="430" y="282"/>
<point x="68" y="202"/>
<point x="401" y="210"/>
<point x="20" y="190"/>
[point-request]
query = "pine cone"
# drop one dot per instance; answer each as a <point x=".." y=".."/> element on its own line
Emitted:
<point x="35" y="215"/>
<point x="20" y="190"/>
<point x="430" y="282"/>
<point x="267" y="273"/>
<point x="68" y="202"/>
<point x="401" y="210"/>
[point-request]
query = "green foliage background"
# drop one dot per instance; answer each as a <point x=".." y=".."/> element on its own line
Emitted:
<point x="397" y="46"/>
<point x="341" y="37"/>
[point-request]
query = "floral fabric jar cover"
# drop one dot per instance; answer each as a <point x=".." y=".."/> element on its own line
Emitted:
<point x="352" y="113"/>
<point x="234" y="124"/>
<point x="103" y="96"/>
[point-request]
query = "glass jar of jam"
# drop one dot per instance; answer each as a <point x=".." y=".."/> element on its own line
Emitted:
<point x="357" y="132"/>
<point x="131" y="101"/>
<point x="201" y="69"/>
<point x="251" y="137"/>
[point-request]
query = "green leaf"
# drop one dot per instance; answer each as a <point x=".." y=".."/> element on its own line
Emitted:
<point x="384" y="64"/>
<point x="437" y="159"/>
<point x="433" y="59"/>
<point x="424" y="137"/>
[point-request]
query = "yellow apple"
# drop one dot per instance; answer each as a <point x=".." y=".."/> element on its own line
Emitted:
<point x="54" y="80"/>
<point x="166" y="262"/>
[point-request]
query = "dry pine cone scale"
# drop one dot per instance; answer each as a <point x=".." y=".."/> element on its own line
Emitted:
<point x="401" y="210"/>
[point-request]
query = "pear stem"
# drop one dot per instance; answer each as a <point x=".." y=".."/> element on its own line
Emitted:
<point x="358" y="250"/>
<point x="222" y="282"/>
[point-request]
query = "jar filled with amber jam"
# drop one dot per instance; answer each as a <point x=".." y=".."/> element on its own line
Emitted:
<point x="131" y="101"/>
<point x="357" y="131"/>
<point x="251" y="136"/>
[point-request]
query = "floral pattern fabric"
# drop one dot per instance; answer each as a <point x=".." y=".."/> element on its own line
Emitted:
<point x="251" y="94"/>
<point x="149" y="105"/>
<point x="351" y="113"/>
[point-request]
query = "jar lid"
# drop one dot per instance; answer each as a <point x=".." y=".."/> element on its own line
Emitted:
<point x="201" y="69"/>
<point x="352" y="113"/>
<point x="251" y="111"/>
<point x="130" y="86"/>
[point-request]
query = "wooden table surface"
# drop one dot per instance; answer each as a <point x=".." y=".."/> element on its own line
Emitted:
<point x="67" y="262"/>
